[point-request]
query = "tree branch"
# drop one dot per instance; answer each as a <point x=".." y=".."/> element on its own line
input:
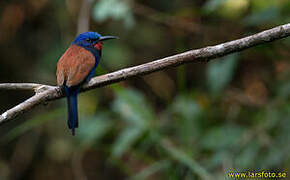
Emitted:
<point x="46" y="93"/>
<point x="21" y="86"/>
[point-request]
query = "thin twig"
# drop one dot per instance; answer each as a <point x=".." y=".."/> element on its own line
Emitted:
<point x="47" y="93"/>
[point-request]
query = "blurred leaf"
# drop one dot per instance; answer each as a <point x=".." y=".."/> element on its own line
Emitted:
<point x="32" y="123"/>
<point x="273" y="157"/>
<point x="267" y="118"/>
<point x="234" y="8"/>
<point x="218" y="158"/>
<point x="185" y="159"/>
<point x="94" y="128"/>
<point x="125" y="140"/>
<point x="187" y="107"/>
<point x="248" y="154"/>
<point x="222" y="137"/>
<point x="262" y="17"/>
<point x="220" y="72"/>
<point x="260" y="5"/>
<point x="115" y="9"/>
<point x="132" y="107"/>
<point x="188" y="113"/>
<point x="212" y="5"/>
<point x="152" y="169"/>
<point x="284" y="90"/>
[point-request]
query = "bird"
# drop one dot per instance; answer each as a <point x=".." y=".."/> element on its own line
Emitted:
<point x="76" y="67"/>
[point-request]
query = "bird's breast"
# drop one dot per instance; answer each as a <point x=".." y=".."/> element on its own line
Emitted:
<point x="75" y="65"/>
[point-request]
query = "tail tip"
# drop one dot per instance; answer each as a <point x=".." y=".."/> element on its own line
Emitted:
<point x="73" y="131"/>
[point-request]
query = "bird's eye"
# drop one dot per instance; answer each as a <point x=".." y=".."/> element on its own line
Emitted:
<point x="88" y="40"/>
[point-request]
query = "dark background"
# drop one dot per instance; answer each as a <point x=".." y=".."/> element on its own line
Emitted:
<point x="195" y="121"/>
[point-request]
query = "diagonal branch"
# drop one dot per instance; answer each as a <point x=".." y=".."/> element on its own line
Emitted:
<point x="46" y="93"/>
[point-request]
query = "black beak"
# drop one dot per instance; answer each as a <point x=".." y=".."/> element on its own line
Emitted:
<point x="104" y="38"/>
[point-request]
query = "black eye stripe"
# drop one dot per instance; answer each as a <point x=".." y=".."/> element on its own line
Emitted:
<point x="91" y="40"/>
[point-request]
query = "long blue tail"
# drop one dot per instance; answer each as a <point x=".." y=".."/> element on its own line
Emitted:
<point x="72" y="105"/>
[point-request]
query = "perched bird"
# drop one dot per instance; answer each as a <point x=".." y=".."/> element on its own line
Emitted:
<point x="77" y="66"/>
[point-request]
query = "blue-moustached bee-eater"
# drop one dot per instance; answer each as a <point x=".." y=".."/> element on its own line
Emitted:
<point x="77" y="66"/>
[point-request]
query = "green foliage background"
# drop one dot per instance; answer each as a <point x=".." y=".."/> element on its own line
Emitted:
<point x="196" y="121"/>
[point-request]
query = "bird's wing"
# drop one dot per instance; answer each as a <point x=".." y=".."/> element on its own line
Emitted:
<point x="74" y="66"/>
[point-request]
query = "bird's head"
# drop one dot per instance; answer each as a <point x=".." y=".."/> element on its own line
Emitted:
<point x="92" y="40"/>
